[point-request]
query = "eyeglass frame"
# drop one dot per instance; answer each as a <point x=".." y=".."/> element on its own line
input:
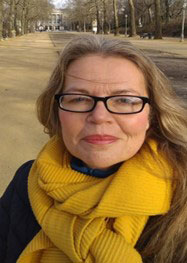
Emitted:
<point x="145" y="100"/>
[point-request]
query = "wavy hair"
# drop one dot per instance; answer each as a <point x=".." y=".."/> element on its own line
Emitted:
<point x="164" y="240"/>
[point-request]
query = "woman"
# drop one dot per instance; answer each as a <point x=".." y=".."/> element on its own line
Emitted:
<point x="110" y="185"/>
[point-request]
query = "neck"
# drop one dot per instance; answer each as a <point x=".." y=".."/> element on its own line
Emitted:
<point x="78" y="165"/>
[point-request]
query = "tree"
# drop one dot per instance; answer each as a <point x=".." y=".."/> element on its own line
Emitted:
<point x="23" y="15"/>
<point x="167" y="11"/>
<point x="98" y="17"/>
<point x="158" y="22"/>
<point x="97" y="12"/>
<point x="1" y="19"/>
<point x="116" y="23"/>
<point x="105" y="25"/>
<point x="132" y="19"/>
<point x="10" y="19"/>
<point x="16" y="20"/>
<point x="81" y="14"/>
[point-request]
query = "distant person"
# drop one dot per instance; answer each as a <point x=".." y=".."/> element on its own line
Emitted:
<point x="110" y="186"/>
<point x="41" y="28"/>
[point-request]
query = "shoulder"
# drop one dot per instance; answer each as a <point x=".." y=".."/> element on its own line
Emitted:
<point x="23" y="171"/>
<point x="17" y="222"/>
<point x="21" y="176"/>
<point x="18" y="184"/>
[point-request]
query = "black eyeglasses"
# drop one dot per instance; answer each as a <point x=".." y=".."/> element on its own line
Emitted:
<point x="122" y="104"/>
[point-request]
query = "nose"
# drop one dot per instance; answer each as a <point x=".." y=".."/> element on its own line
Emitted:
<point x="100" y="114"/>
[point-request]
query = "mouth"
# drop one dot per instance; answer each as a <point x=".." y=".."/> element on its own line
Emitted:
<point x="100" y="139"/>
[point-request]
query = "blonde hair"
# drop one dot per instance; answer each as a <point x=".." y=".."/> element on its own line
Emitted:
<point x="167" y="234"/>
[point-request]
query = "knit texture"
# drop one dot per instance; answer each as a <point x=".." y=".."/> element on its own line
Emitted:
<point x="87" y="219"/>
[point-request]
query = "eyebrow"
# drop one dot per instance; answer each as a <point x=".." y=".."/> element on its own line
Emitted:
<point x="78" y="90"/>
<point x="122" y="91"/>
<point x="115" y="92"/>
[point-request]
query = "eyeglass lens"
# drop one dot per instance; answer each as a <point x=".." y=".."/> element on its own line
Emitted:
<point x="116" y="104"/>
<point x="76" y="102"/>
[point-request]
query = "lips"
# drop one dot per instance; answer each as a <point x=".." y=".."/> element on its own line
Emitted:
<point x="100" y="139"/>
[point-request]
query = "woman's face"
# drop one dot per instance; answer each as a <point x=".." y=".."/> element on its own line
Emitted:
<point x="99" y="138"/>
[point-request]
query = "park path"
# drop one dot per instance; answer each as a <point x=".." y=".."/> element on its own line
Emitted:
<point x="25" y="66"/>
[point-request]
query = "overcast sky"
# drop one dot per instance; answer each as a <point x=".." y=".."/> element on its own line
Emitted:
<point x="58" y="3"/>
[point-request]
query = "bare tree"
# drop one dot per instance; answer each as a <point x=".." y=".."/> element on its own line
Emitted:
<point x="10" y="19"/>
<point x="37" y="10"/>
<point x="152" y="15"/>
<point x="105" y="25"/>
<point x="98" y="17"/>
<point x="97" y="12"/>
<point x="1" y="19"/>
<point x="158" y="22"/>
<point x="16" y="16"/>
<point x="81" y="14"/>
<point x="132" y="18"/>
<point x="149" y="4"/>
<point x="167" y="11"/>
<point x="116" y="23"/>
<point x="175" y="9"/>
<point x="22" y="15"/>
<point x="172" y="9"/>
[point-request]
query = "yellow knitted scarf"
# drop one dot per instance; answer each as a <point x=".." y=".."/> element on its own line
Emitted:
<point x="88" y="219"/>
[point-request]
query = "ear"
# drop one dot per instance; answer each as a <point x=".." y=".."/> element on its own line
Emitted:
<point x="148" y="125"/>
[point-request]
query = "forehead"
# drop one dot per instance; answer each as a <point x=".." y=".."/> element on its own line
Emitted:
<point x="112" y="71"/>
<point x="100" y="68"/>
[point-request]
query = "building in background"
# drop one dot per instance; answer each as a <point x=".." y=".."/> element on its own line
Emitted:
<point x="57" y="21"/>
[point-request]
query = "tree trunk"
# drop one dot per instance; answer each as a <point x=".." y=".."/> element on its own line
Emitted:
<point x="116" y="23"/>
<point x="1" y="19"/>
<point x="167" y="11"/>
<point x="98" y="18"/>
<point x="150" y="15"/>
<point x="158" y="22"/>
<point x="84" y="26"/>
<point x="105" y="25"/>
<point x="27" y="21"/>
<point x="16" y="20"/>
<point x="132" y="19"/>
<point x="10" y="19"/>
<point x="23" y="21"/>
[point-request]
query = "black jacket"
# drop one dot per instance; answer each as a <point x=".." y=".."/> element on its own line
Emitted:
<point x="18" y="225"/>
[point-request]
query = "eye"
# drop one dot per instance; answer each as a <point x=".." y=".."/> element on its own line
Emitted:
<point x="75" y="99"/>
<point x="125" y="100"/>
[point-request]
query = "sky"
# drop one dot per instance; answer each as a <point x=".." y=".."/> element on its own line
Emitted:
<point x="58" y="3"/>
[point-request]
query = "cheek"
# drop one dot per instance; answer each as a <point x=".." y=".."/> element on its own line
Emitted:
<point x="64" y="119"/>
<point x="71" y="124"/>
<point x="135" y="125"/>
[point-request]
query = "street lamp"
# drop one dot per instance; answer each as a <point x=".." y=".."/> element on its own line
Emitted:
<point x="126" y="16"/>
<point x="183" y="19"/>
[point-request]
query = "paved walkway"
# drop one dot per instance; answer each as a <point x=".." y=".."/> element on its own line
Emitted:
<point x="25" y="66"/>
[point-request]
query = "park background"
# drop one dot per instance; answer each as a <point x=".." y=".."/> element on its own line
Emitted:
<point x="28" y="56"/>
<point x="156" y="18"/>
